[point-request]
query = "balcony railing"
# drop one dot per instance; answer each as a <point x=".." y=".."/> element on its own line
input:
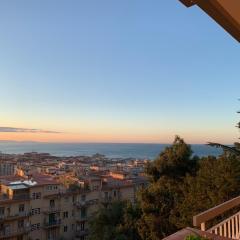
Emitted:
<point x="11" y="217"/>
<point x="52" y="224"/>
<point x="80" y="233"/>
<point x="229" y="228"/>
<point x="51" y="209"/>
<point x="10" y="234"/>
<point x="24" y="197"/>
<point x="85" y="203"/>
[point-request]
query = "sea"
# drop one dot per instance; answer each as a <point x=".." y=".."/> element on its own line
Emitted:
<point x="110" y="150"/>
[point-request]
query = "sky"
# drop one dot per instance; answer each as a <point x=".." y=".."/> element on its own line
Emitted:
<point x="115" y="71"/>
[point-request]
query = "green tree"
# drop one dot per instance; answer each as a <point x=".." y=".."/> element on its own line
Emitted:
<point x="158" y="201"/>
<point x="174" y="162"/>
<point x="115" y="221"/>
<point x="216" y="181"/>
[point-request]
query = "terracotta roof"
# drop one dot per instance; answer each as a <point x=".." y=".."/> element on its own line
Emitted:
<point x="41" y="179"/>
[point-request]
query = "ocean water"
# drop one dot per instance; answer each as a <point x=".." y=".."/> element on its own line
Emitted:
<point x="111" y="150"/>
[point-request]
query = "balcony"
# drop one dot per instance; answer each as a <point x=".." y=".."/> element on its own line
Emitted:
<point x="52" y="224"/>
<point x="10" y="234"/>
<point x="19" y="215"/>
<point x="106" y="200"/>
<point x="228" y="228"/>
<point x="21" y="197"/>
<point x="85" y="203"/>
<point x="51" y="209"/>
<point x="80" y="233"/>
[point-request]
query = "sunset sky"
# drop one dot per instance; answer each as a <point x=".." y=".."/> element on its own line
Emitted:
<point x="115" y="71"/>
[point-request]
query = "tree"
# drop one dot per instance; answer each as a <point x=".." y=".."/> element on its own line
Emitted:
<point x="235" y="149"/>
<point x="115" y="221"/>
<point x="174" y="162"/>
<point x="216" y="181"/>
<point x="158" y="201"/>
<point x="180" y="187"/>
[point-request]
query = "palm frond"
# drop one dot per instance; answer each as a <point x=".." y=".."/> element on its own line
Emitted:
<point x="225" y="147"/>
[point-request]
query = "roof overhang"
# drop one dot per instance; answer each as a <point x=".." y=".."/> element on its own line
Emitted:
<point x="224" y="12"/>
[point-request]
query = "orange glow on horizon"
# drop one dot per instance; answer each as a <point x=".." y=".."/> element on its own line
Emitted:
<point x="110" y="138"/>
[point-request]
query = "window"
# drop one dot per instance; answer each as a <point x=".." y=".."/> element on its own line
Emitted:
<point x="35" y="211"/>
<point x="65" y="214"/>
<point x="82" y="226"/>
<point x="20" y="223"/>
<point x="52" y="203"/>
<point x="106" y="195"/>
<point x="2" y="210"/>
<point x="83" y="198"/>
<point x="83" y="212"/>
<point x="65" y="228"/>
<point x="21" y="208"/>
<point x="35" y="226"/>
<point x="73" y="226"/>
<point x="36" y="195"/>
<point x="82" y="238"/>
<point x="114" y="193"/>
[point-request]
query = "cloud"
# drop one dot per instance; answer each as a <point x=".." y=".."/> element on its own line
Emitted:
<point x="24" y="130"/>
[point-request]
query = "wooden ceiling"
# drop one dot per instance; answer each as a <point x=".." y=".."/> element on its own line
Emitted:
<point x="224" y="12"/>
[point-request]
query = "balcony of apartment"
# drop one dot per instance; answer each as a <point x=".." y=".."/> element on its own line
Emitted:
<point x="81" y="233"/>
<point x="85" y="203"/>
<point x="8" y="234"/>
<point x="16" y="216"/>
<point x="52" y="224"/>
<point x="52" y="209"/>
<point x="21" y="197"/>
<point x="81" y="218"/>
<point x="106" y="199"/>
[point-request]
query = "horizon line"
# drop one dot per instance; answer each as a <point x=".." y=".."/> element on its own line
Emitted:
<point x="151" y="143"/>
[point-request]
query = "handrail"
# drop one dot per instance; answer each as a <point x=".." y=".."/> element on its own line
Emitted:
<point x="202" y="218"/>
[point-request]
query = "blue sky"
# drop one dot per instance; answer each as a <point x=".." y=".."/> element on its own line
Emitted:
<point x="116" y="71"/>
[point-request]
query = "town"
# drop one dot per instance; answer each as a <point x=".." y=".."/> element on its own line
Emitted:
<point x="48" y="197"/>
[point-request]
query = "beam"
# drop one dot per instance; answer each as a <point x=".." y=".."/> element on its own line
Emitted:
<point x="224" y="12"/>
<point x="188" y="3"/>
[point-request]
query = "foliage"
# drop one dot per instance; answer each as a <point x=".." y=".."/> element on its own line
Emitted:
<point x="115" y="221"/>
<point x="216" y="181"/>
<point x="192" y="237"/>
<point x="234" y="150"/>
<point x="158" y="201"/>
<point x="174" y="162"/>
<point x="180" y="187"/>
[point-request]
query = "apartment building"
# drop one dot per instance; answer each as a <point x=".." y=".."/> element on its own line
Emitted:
<point x="7" y="168"/>
<point x="41" y="208"/>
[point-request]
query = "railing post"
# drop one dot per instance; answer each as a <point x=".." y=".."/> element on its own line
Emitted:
<point x="203" y="226"/>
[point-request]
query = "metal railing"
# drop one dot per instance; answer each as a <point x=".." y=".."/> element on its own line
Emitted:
<point x="84" y="203"/>
<point x="50" y="224"/>
<point x="11" y="233"/>
<point x="14" y="216"/>
<point x="51" y="209"/>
